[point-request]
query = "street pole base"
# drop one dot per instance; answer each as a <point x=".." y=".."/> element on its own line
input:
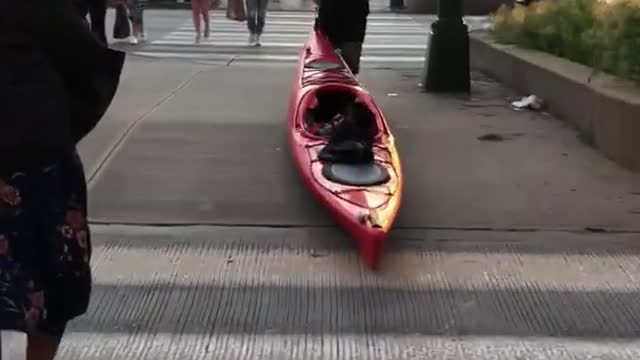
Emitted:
<point x="395" y="4"/>
<point x="447" y="62"/>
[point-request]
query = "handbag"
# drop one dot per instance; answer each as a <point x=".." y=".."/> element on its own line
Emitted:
<point x="236" y="10"/>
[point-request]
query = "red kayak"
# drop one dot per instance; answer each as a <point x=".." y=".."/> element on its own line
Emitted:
<point x="343" y="148"/>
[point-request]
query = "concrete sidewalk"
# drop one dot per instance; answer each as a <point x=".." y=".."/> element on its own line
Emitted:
<point x="206" y="245"/>
<point x="210" y="149"/>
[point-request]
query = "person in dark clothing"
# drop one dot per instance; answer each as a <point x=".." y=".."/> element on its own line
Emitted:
<point x="256" y="18"/>
<point x="56" y="82"/>
<point x="97" y="11"/>
<point x="345" y="25"/>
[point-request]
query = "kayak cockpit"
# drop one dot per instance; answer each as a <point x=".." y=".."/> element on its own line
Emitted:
<point x="349" y="129"/>
<point x="330" y="109"/>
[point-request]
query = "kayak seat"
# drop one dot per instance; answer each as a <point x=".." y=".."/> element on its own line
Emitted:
<point x="369" y="174"/>
<point x="351" y="141"/>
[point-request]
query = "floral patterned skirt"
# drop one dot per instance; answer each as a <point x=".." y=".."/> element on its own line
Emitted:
<point x="45" y="248"/>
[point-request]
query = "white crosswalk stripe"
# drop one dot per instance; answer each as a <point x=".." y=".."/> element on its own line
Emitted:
<point x="393" y="40"/>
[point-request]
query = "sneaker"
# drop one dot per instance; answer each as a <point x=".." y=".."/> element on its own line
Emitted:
<point x="133" y="40"/>
<point x="258" y="40"/>
<point x="252" y="39"/>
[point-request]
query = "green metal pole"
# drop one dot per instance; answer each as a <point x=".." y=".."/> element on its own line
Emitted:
<point x="447" y="60"/>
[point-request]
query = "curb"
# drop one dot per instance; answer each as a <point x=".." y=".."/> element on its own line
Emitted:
<point x="605" y="110"/>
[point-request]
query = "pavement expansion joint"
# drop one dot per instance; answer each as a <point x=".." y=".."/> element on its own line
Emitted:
<point x="586" y="229"/>
<point x="120" y="140"/>
<point x="231" y="60"/>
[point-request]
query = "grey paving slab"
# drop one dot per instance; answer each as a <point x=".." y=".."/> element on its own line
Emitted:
<point x="216" y="153"/>
<point x="540" y="176"/>
<point x="204" y="173"/>
<point x="144" y="85"/>
<point x="220" y="95"/>
<point x="163" y="346"/>
<point x="221" y="158"/>
<point x="247" y="293"/>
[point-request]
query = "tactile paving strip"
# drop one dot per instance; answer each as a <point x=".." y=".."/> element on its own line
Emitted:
<point x="215" y="293"/>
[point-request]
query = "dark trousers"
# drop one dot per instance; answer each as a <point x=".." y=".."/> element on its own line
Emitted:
<point x="351" y="53"/>
<point x="346" y="35"/>
<point x="256" y="15"/>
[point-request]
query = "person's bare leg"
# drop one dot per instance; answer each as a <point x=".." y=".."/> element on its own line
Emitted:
<point x="195" y="12"/>
<point x="42" y="347"/>
<point x="204" y="11"/>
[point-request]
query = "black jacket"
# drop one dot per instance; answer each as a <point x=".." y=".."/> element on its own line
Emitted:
<point x="97" y="11"/>
<point x="343" y="20"/>
<point x="56" y="81"/>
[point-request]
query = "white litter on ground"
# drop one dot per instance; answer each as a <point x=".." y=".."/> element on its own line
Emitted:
<point x="531" y="102"/>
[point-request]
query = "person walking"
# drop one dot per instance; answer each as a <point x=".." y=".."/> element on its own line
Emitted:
<point x="200" y="8"/>
<point x="345" y="25"/>
<point x="136" y="15"/>
<point x="256" y="18"/>
<point x="56" y="82"/>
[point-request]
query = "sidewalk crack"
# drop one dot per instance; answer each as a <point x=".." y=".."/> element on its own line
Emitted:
<point x="120" y="140"/>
